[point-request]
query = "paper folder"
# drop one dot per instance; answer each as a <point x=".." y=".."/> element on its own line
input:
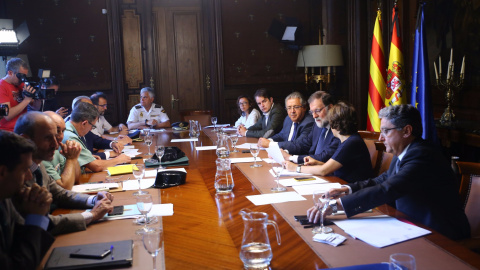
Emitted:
<point x="122" y="169"/>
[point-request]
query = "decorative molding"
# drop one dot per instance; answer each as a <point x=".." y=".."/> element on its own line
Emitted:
<point x="132" y="49"/>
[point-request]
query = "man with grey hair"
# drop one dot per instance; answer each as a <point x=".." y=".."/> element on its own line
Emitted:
<point x="11" y="89"/>
<point x="41" y="129"/>
<point x="420" y="180"/>
<point x="83" y="119"/>
<point x="297" y="124"/>
<point x="147" y="114"/>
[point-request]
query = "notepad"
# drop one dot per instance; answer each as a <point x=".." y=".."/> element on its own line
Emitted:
<point x="122" y="169"/>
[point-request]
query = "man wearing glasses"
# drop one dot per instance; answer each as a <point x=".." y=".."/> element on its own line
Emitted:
<point x="420" y="180"/>
<point x="272" y="118"/>
<point x="297" y="124"/>
<point x="99" y="99"/>
<point x="321" y="143"/>
<point x="83" y="118"/>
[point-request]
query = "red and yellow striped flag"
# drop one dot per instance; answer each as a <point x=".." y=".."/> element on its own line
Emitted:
<point x="376" y="89"/>
<point x="395" y="93"/>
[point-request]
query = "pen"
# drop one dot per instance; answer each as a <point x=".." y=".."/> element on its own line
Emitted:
<point x="98" y="189"/>
<point x="111" y="251"/>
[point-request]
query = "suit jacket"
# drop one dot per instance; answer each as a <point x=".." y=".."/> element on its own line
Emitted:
<point x="275" y="119"/>
<point x="326" y="145"/>
<point x="303" y="129"/>
<point x="63" y="198"/>
<point x="21" y="246"/>
<point x="92" y="141"/>
<point x="423" y="188"/>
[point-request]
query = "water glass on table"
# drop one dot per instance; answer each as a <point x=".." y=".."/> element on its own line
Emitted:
<point x="153" y="242"/>
<point x="160" y="151"/>
<point x="138" y="172"/>
<point x="320" y="200"/>
<point x="254" y="150"/>
<point x="144" y="205"/>
<point x="214" y="122"/>
<point x="277" y="169"/>
<point x="402" y="261"/>
<point x="234" y="139"/>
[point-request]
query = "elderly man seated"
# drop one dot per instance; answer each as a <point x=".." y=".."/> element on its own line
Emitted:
<point x="147" y="114"/>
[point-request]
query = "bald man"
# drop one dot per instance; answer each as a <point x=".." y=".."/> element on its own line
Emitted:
<point x="64" y="167"/>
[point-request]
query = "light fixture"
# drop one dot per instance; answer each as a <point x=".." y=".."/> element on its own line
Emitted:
<point x="320" y="56"/>
<point x="10" y="39"/>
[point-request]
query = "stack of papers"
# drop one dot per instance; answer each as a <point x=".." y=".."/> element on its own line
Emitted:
<point x="122" y="169"/>
<point x="380" y="231"/>
<point x="96" y="187"/>
<point x="309" y="189"/>
<point x="275" y="198"/>
<point x="185" y="140"/>
<point x="133" y="184"/>
<point x="131" y="211"/>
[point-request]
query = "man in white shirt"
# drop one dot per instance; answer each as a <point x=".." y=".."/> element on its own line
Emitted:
<point x="99" y="99"/>
<point x="147" y="114"/>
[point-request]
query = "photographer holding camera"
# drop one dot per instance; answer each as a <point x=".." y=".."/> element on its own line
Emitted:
<point x="11" y="89"/>
<point x="50" y="103"/>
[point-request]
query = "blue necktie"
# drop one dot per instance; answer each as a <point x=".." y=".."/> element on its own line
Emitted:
<point x="320" y="141"/>
<point x="295" y="127"/>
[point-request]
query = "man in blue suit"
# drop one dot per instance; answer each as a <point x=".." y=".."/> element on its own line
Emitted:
<point x="321" y="143"/>
<point x="420" y="180"/>
<point x="296" y="125"/>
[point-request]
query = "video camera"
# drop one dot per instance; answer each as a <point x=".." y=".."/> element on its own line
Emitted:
<point x="45" y="80"/>
<point x="3" y="110"/>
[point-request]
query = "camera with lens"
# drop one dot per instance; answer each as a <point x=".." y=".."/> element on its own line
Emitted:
<point x="3" y="110"/>
<point x="37" y="85"/>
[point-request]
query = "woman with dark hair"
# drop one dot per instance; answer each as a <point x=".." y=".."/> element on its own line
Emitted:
<point x="351" y="161"/>
<point x="248" y="115"/>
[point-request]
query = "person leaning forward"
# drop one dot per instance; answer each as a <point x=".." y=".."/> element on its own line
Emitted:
<point x="420" y="179"/>
<point x="24" y="240"/>
<point x="41" y="129"/>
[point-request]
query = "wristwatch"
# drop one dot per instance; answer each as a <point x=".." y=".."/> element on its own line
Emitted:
<point x="333" y="205"/>
<point x="299" y="167"/>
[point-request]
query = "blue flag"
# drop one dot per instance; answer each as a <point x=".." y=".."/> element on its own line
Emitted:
<point x="421" y="92"/>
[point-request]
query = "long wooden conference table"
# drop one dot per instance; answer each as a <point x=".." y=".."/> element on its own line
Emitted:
<point x="206" y="230"/>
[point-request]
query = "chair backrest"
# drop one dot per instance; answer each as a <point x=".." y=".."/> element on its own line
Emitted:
<point x="380" y="159"/>
<point x="470" y="194"/>
<point x="370" y="135"/>
<point x="383" y="159"/>
<point x="373" y="151"/>
<point x="202" y="116"/>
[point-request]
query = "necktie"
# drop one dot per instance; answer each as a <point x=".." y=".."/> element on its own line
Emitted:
<point x="320" y="141"/>
<point x="397" y="165"/>
<point x="38" y="177"/>
<point x="295" y="127"/>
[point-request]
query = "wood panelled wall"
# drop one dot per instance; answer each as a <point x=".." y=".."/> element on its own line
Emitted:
<point x="83" y="47"/>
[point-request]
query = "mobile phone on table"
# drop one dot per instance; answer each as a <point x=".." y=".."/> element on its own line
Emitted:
<point x="90" y="253"/>
<point x="117" y="210"/>
<point x="304" y="178"/>
<point x="297" y="218"/>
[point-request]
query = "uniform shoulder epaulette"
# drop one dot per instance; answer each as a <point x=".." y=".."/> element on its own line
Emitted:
<point x="138" y="107"/>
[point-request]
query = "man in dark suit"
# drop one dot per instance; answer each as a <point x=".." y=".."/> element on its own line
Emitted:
<point x="296" y="125"/>
<point x="272" y="118"/>
<point x="420" y="180"/>
<point x="23" y="240"/>
<point x="321" y="143"/>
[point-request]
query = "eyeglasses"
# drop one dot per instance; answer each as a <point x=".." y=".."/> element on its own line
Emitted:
<point x="242" y="103"/>
<point x="384" y="131"/>
<point x="317" y="111"/>
<point x="93" y="126"/>
<point x="297" y="107"/>
<point x="103" y="106"/>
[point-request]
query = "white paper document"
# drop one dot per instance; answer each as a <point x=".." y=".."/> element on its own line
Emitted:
<point x="292" y="182"/>
<point x="247" y="146"/>
<point x="275" y="152"/>
<point x="308" y="189"/>
<point x="230" y="129"/>
<point x="210" y="147"/>
<point x="131" y="211"/>
<point x="88" y="188"/>
<point x="288" y="173"/>
<point x="133" y="184"/>
<point x="153" y="173"/>
<point x="275" y="198"/>
<point x="185" y="140"/>
<point x="380" y="231"/>
<point x="217" y="125"/>
<point x="242" y="160"/>
<point x="157" y="130"/>
<point x="268" y="160"/>
<point x="129" y="147"/>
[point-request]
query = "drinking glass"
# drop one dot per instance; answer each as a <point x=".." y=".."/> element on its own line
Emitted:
<point x="402" y="261"/>
<point x="234" y="139"/>
<point x="214" y="122"/>
<point x="320" y="200"/>
<point x="138" y="172"/>
<point x="153" y="242"/>
<point x="160" y="151"/>
<point x="277" y="169"/>
<point x="144" y="205"/>
<point x="254" y="150"/>
<point x="148" y="142"/>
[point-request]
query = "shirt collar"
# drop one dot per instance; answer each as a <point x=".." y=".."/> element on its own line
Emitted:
<point x="267" y="113"/>
<point x="403" y="153"/>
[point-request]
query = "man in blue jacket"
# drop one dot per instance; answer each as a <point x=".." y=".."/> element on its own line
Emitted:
<point x="297" y="125"/>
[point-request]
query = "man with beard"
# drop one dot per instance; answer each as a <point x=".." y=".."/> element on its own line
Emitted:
<point x="41" y="129"/>
<point x="321" y="142"/>
<point x="99" y="99"/>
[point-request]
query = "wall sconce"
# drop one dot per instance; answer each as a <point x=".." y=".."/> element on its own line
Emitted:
<point x="313" y="56"/>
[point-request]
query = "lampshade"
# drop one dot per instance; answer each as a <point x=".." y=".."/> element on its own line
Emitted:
<point x="320" y="56"/>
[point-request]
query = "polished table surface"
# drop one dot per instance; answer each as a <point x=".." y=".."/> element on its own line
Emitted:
<point x="206" y="230"/>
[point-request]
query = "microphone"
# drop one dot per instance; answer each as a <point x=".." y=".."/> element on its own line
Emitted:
<point x="268" y="133"/>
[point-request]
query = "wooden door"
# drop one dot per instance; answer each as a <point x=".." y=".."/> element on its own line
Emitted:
<point x="179" y="64"/>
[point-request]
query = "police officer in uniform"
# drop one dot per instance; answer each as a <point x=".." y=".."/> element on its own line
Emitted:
<point x="147" y="114"/>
